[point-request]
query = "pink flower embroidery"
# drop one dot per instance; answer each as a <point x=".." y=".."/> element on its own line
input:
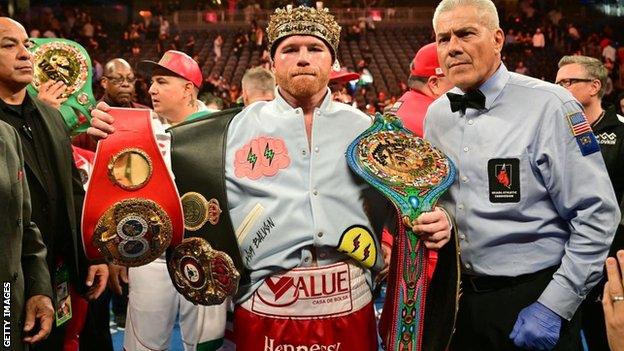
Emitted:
<point x="262" y="156"/>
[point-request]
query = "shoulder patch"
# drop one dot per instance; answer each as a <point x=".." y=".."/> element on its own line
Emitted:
<point x="578" y="123"/>
<point x="582" y="132"/>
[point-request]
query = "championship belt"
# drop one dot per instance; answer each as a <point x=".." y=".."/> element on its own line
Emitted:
<point x="206" y="267"/>
<point x="201" y="274"/>
<point x="66" y="61"/>
<point x="132" y="211"/>
<point x="412" y="174"/>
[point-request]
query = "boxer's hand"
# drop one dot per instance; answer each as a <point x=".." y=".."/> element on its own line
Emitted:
<point x="433" y="227"/>
<point x="101" y="121"/>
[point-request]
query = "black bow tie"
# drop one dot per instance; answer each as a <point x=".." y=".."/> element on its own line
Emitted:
<point x="474" y="99"/>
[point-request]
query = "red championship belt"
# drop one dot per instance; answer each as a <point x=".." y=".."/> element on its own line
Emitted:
<point x="132" y="210"/>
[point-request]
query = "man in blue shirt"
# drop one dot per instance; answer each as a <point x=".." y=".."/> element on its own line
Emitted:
<point x="533" y="235"/>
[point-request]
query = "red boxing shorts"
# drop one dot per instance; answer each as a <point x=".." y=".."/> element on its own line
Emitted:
<point x="325" y="308"/>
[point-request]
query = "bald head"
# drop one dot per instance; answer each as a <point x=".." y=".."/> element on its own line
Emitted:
<point x="9" y="23"/>
<point x="116" y="64"/>
<point x="16" y="68"/>
<point x="118" y="83"/>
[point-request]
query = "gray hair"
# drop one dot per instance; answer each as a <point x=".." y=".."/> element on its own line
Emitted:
<point x="486" y="8"/>
<point x="594" y="68"/>
<point x="416" y="83"/>
<point x="259" y="79"/>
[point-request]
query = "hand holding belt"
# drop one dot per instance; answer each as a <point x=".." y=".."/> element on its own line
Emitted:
<point x="132" y="211"/>
<point x="473" y="99"/>
<point x="412" y="174"/>
<point x="66" y="61"/>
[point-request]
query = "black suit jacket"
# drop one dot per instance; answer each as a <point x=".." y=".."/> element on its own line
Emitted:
<point x="70" y="195"/>
<point x="23" y="269"/>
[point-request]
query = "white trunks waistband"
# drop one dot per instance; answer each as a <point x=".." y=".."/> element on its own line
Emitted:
<point x="312" y="292"/>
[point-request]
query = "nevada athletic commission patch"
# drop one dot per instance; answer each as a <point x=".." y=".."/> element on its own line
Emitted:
<point x="504" y="180"/>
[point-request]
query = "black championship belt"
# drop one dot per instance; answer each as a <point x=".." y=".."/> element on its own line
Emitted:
<point x="204" y="271"/>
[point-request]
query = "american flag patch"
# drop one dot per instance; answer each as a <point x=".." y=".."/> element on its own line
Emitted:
<point x="582" y="132"/>
<point x="578" y="124"/>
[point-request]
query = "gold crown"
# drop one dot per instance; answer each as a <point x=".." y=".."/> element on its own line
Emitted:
<point x="303" y="21"/>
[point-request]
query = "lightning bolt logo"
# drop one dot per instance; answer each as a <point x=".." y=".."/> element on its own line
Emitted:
<point x="269" y="153"/>
<point x="252" y="158"/>
<point x="356" y="243"/>
<point x="366" y="252"/>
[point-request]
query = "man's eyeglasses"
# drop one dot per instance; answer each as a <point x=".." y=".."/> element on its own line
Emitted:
<point x="566" y="83"/>
<point x="120" y="80"/>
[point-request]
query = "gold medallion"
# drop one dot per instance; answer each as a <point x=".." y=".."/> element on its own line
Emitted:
<point x="195" y="208"/>
<point x="201" y="274"/>
<point x="133" y="232"/>
<point x="60" y="62"/>
<point x="197" y="211"/>
<point x="130" y="169"/>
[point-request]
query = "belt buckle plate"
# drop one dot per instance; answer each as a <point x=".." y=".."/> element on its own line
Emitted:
<point x="203" y="275"/>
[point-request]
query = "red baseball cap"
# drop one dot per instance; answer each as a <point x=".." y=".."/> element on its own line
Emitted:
<point x="177" y="63"/>
<point x="425" y="63"/>
<point x="342" y="76"/>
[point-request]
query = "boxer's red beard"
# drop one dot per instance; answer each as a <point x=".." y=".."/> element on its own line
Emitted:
<point x="302" y="83"/>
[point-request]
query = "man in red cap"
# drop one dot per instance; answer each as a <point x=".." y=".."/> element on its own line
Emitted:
<point x="153" y="301"/>
<point x="426" y="82"/>
<point x="338" y="79"/>
<point x="176" y="79"/>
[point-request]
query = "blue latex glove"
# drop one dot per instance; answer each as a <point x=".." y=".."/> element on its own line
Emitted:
<point x="537" y="328"/>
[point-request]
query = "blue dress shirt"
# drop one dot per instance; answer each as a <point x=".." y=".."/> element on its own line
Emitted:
<point x="532" y="190"/>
